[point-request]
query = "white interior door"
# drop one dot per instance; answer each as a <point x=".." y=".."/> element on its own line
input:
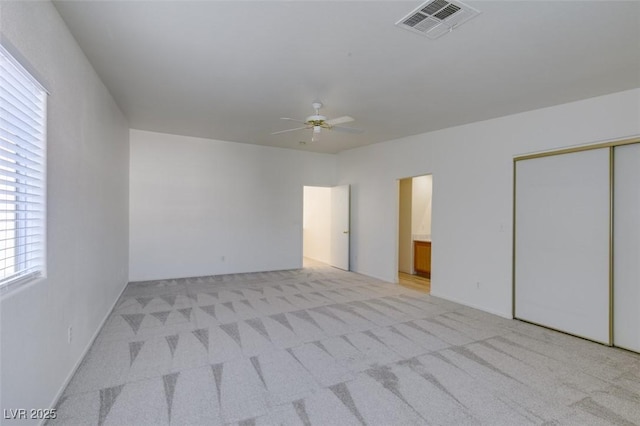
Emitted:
<point x="562" y="243"/>
<point x="626" y="269"/>
<point x="340" y="212"/>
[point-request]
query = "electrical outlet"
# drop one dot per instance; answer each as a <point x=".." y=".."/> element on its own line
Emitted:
<point x="478" y="285"/>
<point x="221" y="258"/>
<point x="70" y="334"/>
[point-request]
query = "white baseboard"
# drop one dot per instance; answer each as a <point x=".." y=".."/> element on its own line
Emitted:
<point x="84" y="352"/>
<point x="506" y="315"/>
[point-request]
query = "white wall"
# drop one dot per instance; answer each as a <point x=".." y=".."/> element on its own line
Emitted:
<point x="87" y="215"/>
<point x="472" y="166"/>
<point x="421" y="206"/>
<point x="316" y="223"/>
<point x="205" y="207"/>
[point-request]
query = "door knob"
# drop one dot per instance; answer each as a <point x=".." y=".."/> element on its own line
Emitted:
<point x="345" y="232"/>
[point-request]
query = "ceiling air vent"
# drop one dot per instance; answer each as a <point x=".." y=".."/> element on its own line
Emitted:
<point x="437" y="17"/>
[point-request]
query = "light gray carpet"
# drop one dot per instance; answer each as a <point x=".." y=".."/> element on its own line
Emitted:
<point x="320" y="346"/>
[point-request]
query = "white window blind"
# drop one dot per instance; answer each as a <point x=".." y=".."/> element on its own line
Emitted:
<point x="22" y="173"/>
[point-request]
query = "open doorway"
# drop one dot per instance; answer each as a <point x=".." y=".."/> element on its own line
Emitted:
<point x="414" y="232"/>
<point x="325" y="225"/>
<point x="316" y="223"/>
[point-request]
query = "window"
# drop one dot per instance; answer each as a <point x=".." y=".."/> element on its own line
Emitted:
<point x="22" y="173"/>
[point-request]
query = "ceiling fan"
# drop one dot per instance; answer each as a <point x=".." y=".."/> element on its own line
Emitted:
<point x="318" y="122"/>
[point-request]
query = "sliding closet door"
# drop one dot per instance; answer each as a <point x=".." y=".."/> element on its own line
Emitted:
<point x="626" y="269"/>
<point x="562" y="217"/>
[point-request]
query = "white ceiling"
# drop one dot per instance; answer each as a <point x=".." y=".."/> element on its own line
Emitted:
<point x="228" y="70"/>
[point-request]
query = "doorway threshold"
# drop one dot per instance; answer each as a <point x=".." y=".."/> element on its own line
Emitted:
<point x="414" y="282"/>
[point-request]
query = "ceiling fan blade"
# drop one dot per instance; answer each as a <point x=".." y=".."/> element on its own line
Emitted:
<point x="293" y="119"/>
<point x="340" y="120"/>
<point x="289" y="130"/>
<point x="347" y="129"/>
